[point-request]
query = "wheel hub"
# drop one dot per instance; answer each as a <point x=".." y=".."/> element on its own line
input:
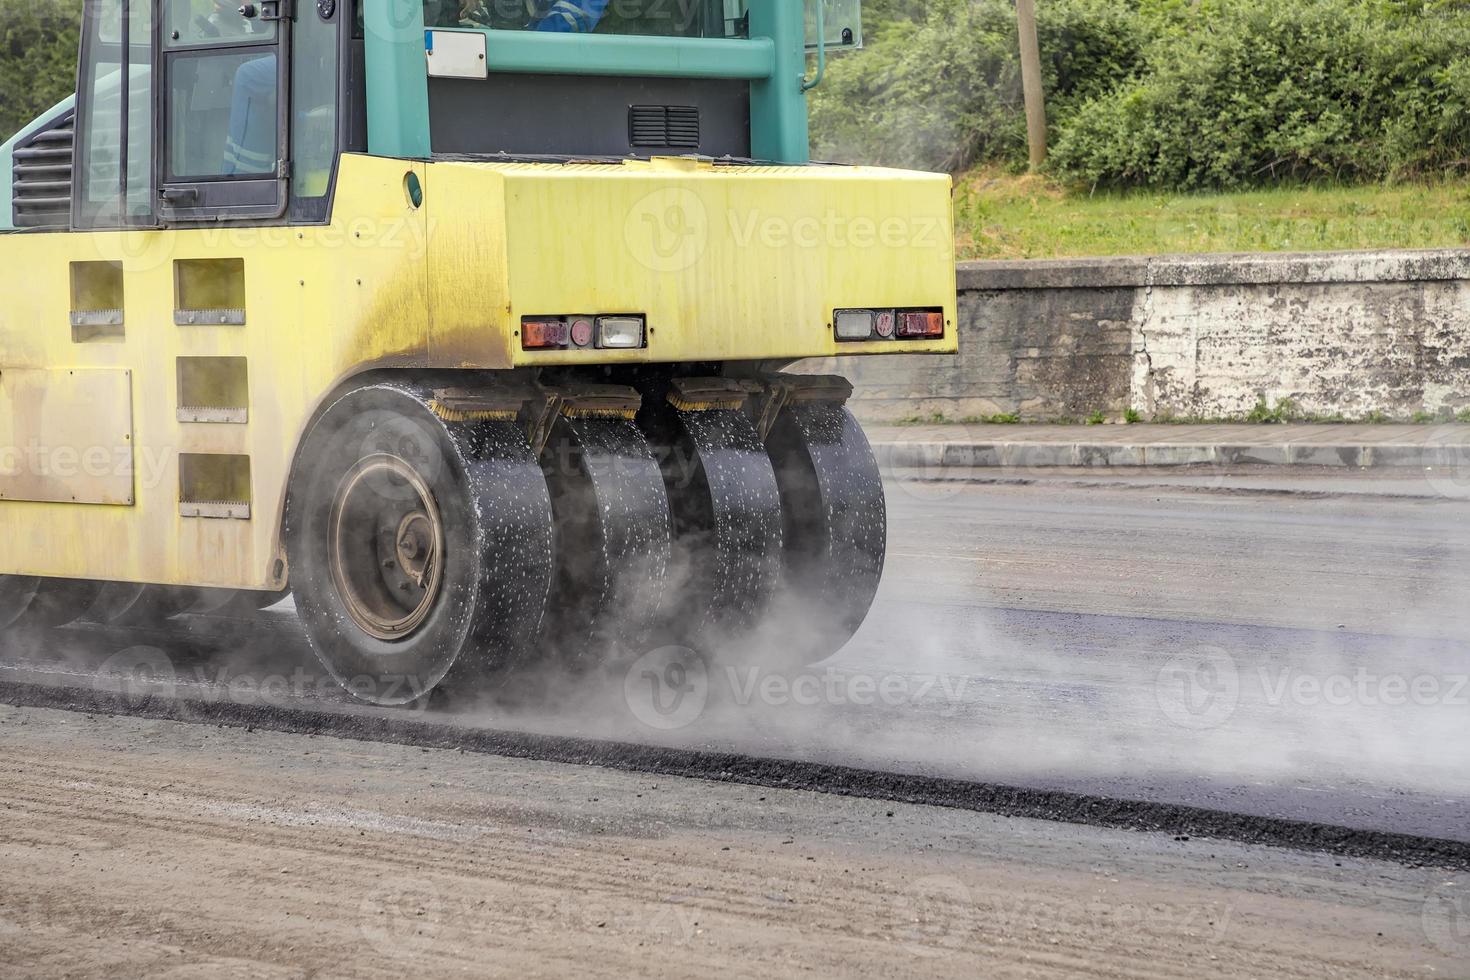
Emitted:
<point x="386" y="541"/>
<point x="416" y="546"/>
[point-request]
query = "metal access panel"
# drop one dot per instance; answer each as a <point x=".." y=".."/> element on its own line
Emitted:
<point x="66" y="435"/>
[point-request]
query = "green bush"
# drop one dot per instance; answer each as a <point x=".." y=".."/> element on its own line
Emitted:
<point x="1168" y="94"/>
<point x="1254" y="92"/>
<point x="38" y="58"/>
<point x="944" y="91"/>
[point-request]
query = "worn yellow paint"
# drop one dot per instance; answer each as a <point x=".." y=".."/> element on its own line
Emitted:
<point x="727" y="263"/>
<point x="52" y="454"/>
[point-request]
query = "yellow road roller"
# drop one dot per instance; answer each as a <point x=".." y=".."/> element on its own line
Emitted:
<point x="467" y="324"/>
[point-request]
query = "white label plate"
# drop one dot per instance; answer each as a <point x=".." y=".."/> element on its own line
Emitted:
<point x="457" y="54"/>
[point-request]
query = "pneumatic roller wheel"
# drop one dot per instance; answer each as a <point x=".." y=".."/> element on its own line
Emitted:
<point x="113" y="602"/>
<point x="612" y="540"/>
<point x="210" y="602"/>
<point x="44" y="603"/>
<point x="416" y="545"/>
<point x="122" y="604"/>
<point x="727" y="523"/>
<point x="249" y="602"/>
<point x="16" y="593"/>
<point x="836" y="525"/>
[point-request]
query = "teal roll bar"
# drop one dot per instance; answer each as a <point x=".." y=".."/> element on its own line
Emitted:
<point x="625" y="54"/>
<point x="397" y="79"/>
<point x="778" y="114"/>
<point x="773" y="59"/>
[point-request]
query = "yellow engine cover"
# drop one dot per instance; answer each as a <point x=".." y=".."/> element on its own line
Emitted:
<point x="208" y="351"/>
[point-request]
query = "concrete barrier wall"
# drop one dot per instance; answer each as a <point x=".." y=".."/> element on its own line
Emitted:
<point x="1347" y="334"/>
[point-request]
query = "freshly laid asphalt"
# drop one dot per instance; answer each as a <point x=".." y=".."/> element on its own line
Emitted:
<point x="1082" y="647"/>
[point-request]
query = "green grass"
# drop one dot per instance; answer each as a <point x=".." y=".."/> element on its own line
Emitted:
<point x="1005" y="217"/>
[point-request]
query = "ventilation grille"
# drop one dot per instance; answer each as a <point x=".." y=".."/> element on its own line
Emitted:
<point x="664" y="126"/>
<point x="41" y="186"/>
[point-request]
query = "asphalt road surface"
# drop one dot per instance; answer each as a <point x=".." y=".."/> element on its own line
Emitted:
<point x="1288" y="646"/>
<point x="1294" y="650"/>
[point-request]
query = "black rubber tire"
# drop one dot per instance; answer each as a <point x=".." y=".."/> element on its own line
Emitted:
<point x="249" y="602"/>
<point x="835" y="526"/>
<point x="497" y="559"/>
<point x="150" y="606"/>
<point x="44" y="603"/>
<point x="115" y="599"/>
<point x="140" y="606"/>
<point x="16" y="593"/>
<point x="208" y="602"/>
<point x="612" y="541"/>
<point x="726" y="508"/>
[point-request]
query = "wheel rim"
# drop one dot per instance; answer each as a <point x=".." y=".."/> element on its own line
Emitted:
<point x="387" y="547"/>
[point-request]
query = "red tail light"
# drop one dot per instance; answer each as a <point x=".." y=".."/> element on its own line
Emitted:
<point x="541" y="334"/>
<point x="920" y="324"/>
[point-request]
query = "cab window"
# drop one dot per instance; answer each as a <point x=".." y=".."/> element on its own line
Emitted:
<point x="666" y="18"/>
<point x="189" y="23"/>
<point x="223" y="115"/>
<point x="114" y="151"/>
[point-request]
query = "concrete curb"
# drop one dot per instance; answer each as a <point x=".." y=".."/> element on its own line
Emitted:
<point x="1029" y="455"/>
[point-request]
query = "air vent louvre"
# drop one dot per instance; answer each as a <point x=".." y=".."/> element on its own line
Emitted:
<point x="41" y="182"/>
<point x="667" y="126"/>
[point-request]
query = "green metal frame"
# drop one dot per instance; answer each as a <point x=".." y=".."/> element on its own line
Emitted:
<point x="773" y="60"/>
<point x="397" y="79"/>
<point x="615" y="54"/>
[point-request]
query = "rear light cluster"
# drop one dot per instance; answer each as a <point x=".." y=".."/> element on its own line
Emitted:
<point x="858" y="325"/>
<point x="583" y="333"/>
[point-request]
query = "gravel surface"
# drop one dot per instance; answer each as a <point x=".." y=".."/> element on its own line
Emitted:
<point x="144" y="848"/>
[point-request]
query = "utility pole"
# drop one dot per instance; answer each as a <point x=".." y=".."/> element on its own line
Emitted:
<point x="1031" y="82"/>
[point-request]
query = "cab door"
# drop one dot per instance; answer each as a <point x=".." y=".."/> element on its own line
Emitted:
<point x="225" y="72"/>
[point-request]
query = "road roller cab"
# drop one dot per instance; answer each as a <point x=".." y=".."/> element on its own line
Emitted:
<point x="476" y="333"/>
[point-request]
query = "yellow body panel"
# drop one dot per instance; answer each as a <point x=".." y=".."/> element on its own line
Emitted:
<point x="726" y="263"/>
